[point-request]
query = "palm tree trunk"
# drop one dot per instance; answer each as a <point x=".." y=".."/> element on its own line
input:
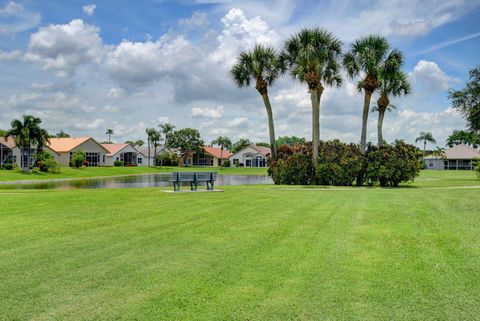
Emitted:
<point x="271" y="128"/>
<point x="155" y="155"/>
<point x="148" y="142"/>
<point x="315" y="123"/>
<point x="424" y="147"/>
<point x="163" y="153"/>
<point x="221" y="156"/>
<point x="366" y="107"/>
<point x="381" y="114"/>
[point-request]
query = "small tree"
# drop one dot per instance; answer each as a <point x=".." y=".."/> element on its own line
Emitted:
<point x="109" y="132"/>
<point x="240" y="144"/>
<point x="78" y="158"/>
<point x="187" y="140"/>
<point x="425" y="137"/>
<point x="224" y="143"/>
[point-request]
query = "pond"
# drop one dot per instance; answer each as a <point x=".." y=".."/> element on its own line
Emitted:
<point x="133" y="181"/>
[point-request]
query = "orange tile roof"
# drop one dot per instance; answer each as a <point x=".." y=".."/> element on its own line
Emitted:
<point x="114" y="148"/>
<point x="63" y="145"/>
<point x="216" y="152"/>
<point x="9" y="142"/>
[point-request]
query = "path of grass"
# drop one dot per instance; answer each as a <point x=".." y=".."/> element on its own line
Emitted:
<point x="250" y="253"/>
<point x="67" y="172"/>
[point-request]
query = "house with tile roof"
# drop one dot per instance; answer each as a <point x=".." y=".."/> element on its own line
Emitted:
<point x="251" y="156"/>
<point x="457" y="157"/>
<point x="123" y="153"/>
<point x="95" y="153"/>
<point x="10" y="153"/>
<point x="208" y="156"/>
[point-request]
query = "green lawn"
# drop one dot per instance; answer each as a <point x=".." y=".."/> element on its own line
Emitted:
<point x="67" y="172"/>
<point x="249" y="253"/>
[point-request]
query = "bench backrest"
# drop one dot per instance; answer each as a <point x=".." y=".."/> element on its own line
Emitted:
<point x="190" y="176"/>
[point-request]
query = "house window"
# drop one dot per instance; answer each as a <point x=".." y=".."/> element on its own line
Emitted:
<point x="117" y="159"/>
<point x="235" y="161"/>
<point x="139" y="160"/>
<point x="430" y="164"/>
<point x="104" y="158"/>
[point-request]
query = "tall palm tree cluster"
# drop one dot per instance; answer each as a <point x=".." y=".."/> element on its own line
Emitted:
<point x="154" y="138"/>
<point x="315" y="57"/>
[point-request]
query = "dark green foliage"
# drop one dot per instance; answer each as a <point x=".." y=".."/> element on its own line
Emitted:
<point x="7" y="166"/>
<point x="477" y="168"/>
<point x="240" y="144"/>
<point x="338" y="163"/>
<point x="78" y="158"/>
<point x="344" y="164"/>
<point x="226" y="163"/>
<point x="46" y="163"/>
<point x="467" y="101"/>
<point x="118" y="164"/>
<point x="290" y="140"/>
<point x="169" y="159"/>
<point x="262" y="144"/>
<point x="463" y="137"/>
<point x="390" y="165"/>
<point x="293" y="165"/>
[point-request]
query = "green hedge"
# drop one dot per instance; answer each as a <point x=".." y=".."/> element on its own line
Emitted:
<point x="343" y="164"/>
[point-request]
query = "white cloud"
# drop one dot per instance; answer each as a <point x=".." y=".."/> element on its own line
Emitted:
<point x="110" y="109"/>
<point x="428" y="75"/>
<point x="238" y="122"/>
<point x="10" y="55"/>
<point x="138" y="64"/>
<point x="207" y="112"/>
<point x="63" y="48"/>
<point x="197" y="20"/>
<point x="115" y="93"/>
<point x="163" y="120"/>
<point x="239" y="34"/>
<point x="15" y="18"/>
<point x="89" y="9"/>
<point x="93" y="125"/>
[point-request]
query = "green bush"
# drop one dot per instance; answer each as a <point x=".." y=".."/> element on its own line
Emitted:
<point x="7" y="166"/>
<point x="390" y="165"/>
<point x="78" y="158"/>
<point x="343" y="164"/>
<point x="293" y="165"/>
<point x="118" y="164"/>
<point x="338" y="163"/>
<point x="48" y="165"/>
<point x="477" y="168"/>
<point x="226" y="163"/>
<point x="169" y="159"/>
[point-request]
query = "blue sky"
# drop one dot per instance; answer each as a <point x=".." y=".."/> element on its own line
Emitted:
<point x="127" y="65"/>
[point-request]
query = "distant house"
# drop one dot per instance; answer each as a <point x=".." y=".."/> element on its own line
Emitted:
<point x="142" y="156"/>
<point x="208" y="156"/>
<point x="64" y="148"/>
<point x="457" y="157"/>
<point x="251" y="156"/>
<point x="124" y="153"/>
<point x="10" y="153"/>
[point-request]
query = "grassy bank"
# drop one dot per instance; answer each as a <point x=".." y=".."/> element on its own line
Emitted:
<point x="249" y="253"/>
<point x="67" y="172"/>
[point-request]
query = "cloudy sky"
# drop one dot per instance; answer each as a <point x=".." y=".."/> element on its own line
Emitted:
<point x="127" y="65"/>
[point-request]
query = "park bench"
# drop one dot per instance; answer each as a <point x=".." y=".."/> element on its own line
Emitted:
<point x="194" y="179"/>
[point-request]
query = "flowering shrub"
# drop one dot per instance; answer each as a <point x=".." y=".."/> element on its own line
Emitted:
<point x="344" y="164"/>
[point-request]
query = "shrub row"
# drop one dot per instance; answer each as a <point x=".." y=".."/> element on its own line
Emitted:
<point x="343" y="164"/>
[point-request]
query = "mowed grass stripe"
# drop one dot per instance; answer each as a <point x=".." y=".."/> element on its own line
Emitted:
<point x="246" y="254"/>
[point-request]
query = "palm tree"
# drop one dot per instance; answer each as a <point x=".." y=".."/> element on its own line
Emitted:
<point x="109" y="132"/>
<point x="139" y="143"/>
<point x="149" y="132"/>
<point x="155" y="139"/>
<point x="312" y="57"/>
<point x="425" y="137"/>
<point x="391" y="83"/>
<point x="27" y="133"/>
<point x="167" y="130"/>
<point x="260" y="65"/>
<point x="223" y="142"/>
<point x="369" y="55"/>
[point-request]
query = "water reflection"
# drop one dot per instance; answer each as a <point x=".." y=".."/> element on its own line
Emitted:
<point x="135" y="181"/>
